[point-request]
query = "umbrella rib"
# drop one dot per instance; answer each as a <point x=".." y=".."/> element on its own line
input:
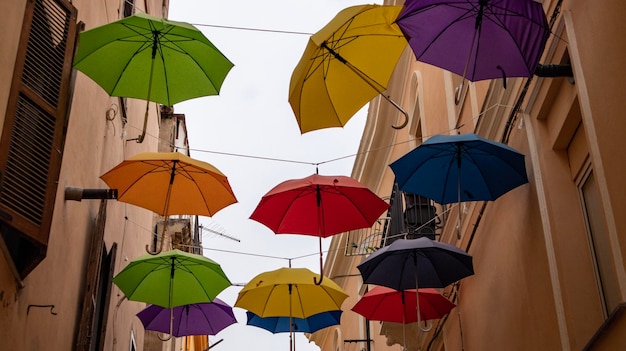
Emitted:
<point x="146" y="44"/>
<point x="468" y="14"/>
<point x="355" y="205"/>
<point x="164" y="264"/>
<point x="470" y="157"/>
<point x="301" y="193"/>
<point x="160" y="166"/>
<point x="184" y="265"/>
<point x="496" y="20"/>
<point x="300" y="305"/>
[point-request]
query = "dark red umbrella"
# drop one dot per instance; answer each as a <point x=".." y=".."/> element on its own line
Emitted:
<point x="389" y="305"/>
<point x="319" y="206"/>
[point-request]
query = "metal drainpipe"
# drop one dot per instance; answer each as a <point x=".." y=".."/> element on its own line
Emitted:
<point x="511" y="120"/>
<point x="368" y="344"/>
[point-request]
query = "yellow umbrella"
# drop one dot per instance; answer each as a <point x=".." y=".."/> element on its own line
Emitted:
<point x="170" y="183"/>
<point x="290" y="292"/>
<point x="345" y="65"/>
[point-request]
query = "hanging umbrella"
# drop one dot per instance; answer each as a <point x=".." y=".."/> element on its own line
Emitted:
<point x="152" y="59"/>
<point x="476" y="39"/>
<point x="400" y="265"/>
<point x="170" y="183"/>
<point x="345" y="65"/>
<point x="303" y="325"/>
<point x="195" y="319"/>
<point x="290" y="292"/>
<point x="319" y="206"/>
<point x="170" y="279"/>
<point x="459" y="168"/>
<point x="416" y="263"/>
<point x="389" y="305"/>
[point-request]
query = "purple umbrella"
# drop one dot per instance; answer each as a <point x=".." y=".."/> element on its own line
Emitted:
<point x="194" y="319"/>
<point x="477" y="39"/>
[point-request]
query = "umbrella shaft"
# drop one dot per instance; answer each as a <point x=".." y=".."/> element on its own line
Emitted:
<point x="155" y="43"/>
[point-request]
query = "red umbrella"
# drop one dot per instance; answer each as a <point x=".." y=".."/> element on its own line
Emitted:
<point x="319" y="206"/>
<point x="389" y="305"/>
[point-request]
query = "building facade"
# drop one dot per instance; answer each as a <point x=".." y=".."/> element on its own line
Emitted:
<point x="548" y="255"/>
<point x="64" y="236"/>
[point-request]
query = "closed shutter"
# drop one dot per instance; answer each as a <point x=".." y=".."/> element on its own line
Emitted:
<point x="33" y="134"/>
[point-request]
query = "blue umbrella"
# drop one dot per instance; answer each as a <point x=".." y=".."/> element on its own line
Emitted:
<point x="459" y="168"/>
<point x="303" y="325"/>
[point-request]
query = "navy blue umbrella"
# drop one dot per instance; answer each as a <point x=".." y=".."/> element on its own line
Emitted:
<point x="459" y="168"/>
<point x="303" y="325"/>
<point x="405" y="264"/>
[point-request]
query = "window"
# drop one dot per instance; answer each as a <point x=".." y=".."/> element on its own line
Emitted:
<point x="415" y="125"/>
<point x="128" y="8"/>
<point x="33" y="134"/>
<point x="599" y="242"/>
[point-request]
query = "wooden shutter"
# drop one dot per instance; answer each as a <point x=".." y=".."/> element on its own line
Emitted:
<point x="33" y="134"/>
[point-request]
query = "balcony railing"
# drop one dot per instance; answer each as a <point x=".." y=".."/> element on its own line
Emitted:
<point x="410" y="216"/>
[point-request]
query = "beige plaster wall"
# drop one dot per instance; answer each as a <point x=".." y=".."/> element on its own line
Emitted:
<point x="535" y="286"/>
<point x="94" y="145"/>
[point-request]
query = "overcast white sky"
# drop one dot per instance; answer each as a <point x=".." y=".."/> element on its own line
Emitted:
<point x="252" y="117"/>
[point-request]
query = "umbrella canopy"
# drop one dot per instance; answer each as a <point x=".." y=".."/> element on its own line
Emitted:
<point x="421" y="262"/>
<point x="389" y="305"/>
<point x="320" y="206"/>
<point x="172" y="278"/>
<point x="290" y="292"/>
<point x="458" y="168"/>
<point x="477" y="39"/>
<point x="195" y="319"/>
<point x="345" y="65"/>
<point x="170" y="183"/>
<point x="119" y="56"/>
<point x="152" y="59"/>
<point x="303" y="325"/>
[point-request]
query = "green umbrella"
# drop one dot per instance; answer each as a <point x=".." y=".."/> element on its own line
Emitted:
<point x="172" y="278"/>
<point x="152" y="59"/>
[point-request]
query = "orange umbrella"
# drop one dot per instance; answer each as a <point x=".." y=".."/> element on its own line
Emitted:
<point x="170" y="183"/>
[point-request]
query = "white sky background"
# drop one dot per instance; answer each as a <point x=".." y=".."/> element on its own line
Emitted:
<point x="252" y="117"/>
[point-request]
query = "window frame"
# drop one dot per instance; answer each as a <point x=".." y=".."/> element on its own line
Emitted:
<point x="26" y="238"/>
<point x="600" y="265"/>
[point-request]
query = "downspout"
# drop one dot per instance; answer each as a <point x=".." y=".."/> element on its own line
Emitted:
<point x="520" y="99"/>
<point x="511" y="120"/>
<point x="368" y="344"/>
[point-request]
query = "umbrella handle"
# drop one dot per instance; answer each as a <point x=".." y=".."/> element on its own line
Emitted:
<point x="367" y="79"/>
<point x="428" y="325"/>
<point x="166" y="339"/>
<point x="145" y="119"/>
<point x="156" y="252"/>
<point x="404" y="113"/>
<point x="321" y="267"/>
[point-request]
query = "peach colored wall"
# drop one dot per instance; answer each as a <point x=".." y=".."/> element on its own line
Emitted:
<point x="93" y="146"/>
<point x="535" y="285"/>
